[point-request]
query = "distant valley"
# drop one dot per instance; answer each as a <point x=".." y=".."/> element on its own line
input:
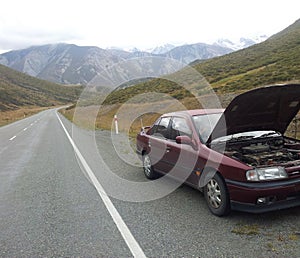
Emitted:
<point x="19" y="89"/>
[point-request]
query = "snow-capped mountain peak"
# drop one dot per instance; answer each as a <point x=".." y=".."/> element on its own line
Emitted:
<point x="240" y="43"/>
<point x="161" y="49"/>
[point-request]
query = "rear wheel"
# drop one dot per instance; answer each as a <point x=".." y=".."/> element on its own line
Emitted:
<point x="217" y="197"/>
<point x="148" y="168"/>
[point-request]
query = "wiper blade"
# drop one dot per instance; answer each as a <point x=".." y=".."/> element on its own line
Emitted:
<point x="241" y="138"/>
<point x="268" y="134"/>
<point x="231" y="139"/>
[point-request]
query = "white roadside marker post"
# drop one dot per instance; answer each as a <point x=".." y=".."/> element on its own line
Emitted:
<point x="116" y="124"/>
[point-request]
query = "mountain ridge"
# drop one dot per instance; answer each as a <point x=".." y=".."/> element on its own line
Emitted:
<point x="71" y="64"/>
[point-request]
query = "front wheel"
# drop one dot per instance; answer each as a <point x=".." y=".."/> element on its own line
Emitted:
<point x="216" y="196"/>
<point x="148" y="168"/>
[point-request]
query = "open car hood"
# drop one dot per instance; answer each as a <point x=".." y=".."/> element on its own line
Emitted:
<point x="268" y="108"/>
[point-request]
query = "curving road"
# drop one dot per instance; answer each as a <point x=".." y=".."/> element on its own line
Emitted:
<point x="53" y="203"/>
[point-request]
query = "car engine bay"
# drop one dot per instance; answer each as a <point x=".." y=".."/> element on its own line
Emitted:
<point x="263" y="151"/>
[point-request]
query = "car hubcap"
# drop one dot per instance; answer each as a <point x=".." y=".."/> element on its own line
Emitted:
<point x="214" y="193"/>
<point x="147" y="165"/>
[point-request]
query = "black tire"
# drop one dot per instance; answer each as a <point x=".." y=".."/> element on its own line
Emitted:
<point x="216" y="196"/>
<point x="148" y="168"/>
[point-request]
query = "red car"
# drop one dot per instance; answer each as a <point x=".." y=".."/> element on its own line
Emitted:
<point x="239" y="157"/>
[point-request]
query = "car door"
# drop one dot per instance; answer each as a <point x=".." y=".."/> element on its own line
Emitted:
<point x="181" y="158"/>
<point x="157" y="144"/>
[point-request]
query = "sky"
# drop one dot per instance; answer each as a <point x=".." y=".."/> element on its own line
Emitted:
<point x="139" y="23"/>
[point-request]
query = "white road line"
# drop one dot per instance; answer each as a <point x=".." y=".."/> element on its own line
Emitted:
<point x="26" y="128"/>
<point x="132" y="244"/>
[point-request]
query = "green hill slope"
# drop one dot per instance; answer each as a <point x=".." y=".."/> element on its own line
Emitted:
<point x="19" y="90"/>
<point x="275" y="60"/>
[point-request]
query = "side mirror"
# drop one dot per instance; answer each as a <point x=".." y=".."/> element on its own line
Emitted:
<point x="184" y="139"/>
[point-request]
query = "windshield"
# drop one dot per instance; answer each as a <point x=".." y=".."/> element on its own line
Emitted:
<point x="205" y="124"/>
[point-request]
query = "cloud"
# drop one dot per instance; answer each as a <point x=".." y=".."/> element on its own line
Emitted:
<point x="21" y="38"/>
<point x="138" y="23"/>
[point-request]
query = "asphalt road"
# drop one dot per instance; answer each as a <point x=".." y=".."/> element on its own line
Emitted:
<point x="53" y="203"/>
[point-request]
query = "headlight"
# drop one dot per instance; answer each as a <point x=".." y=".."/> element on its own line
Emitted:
<point x="270" y="173"/>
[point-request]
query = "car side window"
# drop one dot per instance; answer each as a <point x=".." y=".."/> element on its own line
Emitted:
<point x="152" y="130"/>
<point x="179" y="127"/>
<point x="161" y="129"/>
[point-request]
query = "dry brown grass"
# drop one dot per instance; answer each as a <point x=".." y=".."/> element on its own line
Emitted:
<point x="246" y="229"/>
<point x="132" y="116"/>
<point x="7" y="117"/>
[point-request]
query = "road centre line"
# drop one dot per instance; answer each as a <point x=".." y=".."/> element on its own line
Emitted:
<point x="12" y="137"/>
<point x="26" y="128"/>
<point x="129" y="239"/>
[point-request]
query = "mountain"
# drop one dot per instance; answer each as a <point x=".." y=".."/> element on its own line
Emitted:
<point x="241" y="43"/>
<point x="18" y="89"/>
<point x="192" y="52"/>
<point x="161" y="49"/>
<point x="71" y="64"/>
<point x="60" y="63"/>
<point x="186" y="53"/>
<point x="124" y="55"/>
<point x="275" y="60"/>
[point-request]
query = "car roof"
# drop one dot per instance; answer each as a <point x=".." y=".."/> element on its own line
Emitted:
<point x="195" y="112"/>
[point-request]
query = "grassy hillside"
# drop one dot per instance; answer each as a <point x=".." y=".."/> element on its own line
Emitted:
<point x="20" y="90"/>
<point x="156" y="85"/>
